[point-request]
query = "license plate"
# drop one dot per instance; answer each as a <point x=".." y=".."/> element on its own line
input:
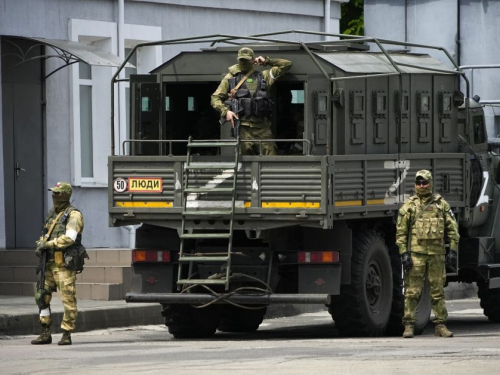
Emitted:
<point x="145" y="185"/>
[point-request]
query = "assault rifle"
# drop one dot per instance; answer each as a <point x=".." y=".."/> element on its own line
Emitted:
<point x="41" y="292"/>
<point x="234" y="106"/>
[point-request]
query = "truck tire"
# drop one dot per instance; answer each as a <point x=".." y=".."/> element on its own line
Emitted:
<point x="235" y="319"/>
<point x="363" y="307"/>
<point x="490" y="302"/>
<point x="187" y="322"/>
<point x="423" y="313"/>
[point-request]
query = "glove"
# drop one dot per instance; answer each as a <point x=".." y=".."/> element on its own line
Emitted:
<point x="406" y="261"/>
<point x="451" y="259"/>
<point x="41" y="247"/>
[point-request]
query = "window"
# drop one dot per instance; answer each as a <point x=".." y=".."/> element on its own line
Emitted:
<point x="191" y="104"/>
<point x="297" y="96"/>
<point x="479" y="129"/>
<point x="167" y="103"/>
<point x="91" y="93"/>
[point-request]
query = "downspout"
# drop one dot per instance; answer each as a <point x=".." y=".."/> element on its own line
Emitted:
<point x="121" y="54"/>
<point x="131" y="234"/>
<point x="327" y="18"/>
<point x="406" y="21"/>
<point x="458" y="43"/>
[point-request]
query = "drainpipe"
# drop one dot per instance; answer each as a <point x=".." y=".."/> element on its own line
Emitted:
<point x="121" y="54"/>
<point x="327" y="18"/>
<point x="131" y="234"/>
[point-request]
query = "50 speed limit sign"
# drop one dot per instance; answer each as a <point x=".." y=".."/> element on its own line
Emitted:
<point x="120" y="185"/>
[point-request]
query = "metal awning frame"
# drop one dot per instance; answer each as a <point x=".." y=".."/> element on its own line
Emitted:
<point x="343" y="39"/>
<point x="61" y="52"/>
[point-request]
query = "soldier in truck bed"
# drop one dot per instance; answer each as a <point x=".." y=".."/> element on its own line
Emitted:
<point x="253" y="96"/>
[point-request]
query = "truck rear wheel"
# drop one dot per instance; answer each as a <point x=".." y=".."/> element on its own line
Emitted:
<point x="185" y="321"/>
<point x="490" y="301"/>
<point x="235" y="319"/>
<point x="423" y="313"/>
<point x="364" y="306"/>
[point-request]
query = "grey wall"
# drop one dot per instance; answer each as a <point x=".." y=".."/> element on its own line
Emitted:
<point x="435" y="22"/>
<point x="2" y="197"/>
<point x="181" y="18"/>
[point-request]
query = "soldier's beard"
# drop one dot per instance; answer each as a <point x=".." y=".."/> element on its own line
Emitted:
<point x="423" y="191"/>
<point x="60" y="202"/>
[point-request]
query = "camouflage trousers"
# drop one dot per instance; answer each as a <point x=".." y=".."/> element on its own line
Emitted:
<point x="58" y="277"/>
<point x="253" y="148"/>
<point x="434" y="267"/>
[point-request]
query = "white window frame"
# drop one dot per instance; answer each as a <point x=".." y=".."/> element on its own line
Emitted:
<point x="105" y="36"/>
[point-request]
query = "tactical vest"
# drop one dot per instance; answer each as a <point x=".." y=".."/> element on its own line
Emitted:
<point x="259" y="104"/>
<point x="429" y="224"/>
<point x="60" y="227"/>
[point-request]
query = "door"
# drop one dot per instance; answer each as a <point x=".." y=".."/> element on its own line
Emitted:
<point x="23" y="162"/>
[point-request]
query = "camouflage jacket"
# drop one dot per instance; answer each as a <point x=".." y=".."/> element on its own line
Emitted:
<point x="278" y="68"/>
<point x="427" y="227"/>
<point x="67" y="231"/>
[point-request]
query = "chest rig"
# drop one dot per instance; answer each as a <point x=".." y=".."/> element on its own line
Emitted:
<point x="60" y="226"/>
<point x="252" y="96"/>
<point x="429" y="219"/>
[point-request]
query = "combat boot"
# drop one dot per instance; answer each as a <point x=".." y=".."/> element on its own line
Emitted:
<point x="442" y="331"/>
<point x="44" y="338"/>
<point x="65" y="339"/>
<point x="409" y="332"/>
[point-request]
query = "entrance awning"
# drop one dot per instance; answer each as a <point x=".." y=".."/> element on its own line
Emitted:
<point x="68" y="51"/>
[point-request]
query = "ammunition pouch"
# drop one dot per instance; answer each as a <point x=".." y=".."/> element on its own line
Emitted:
<point x="262" y="106"/>
<point x="74" y="258"/>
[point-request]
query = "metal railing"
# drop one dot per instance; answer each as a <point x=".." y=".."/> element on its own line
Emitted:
<point x="305" y="142"/>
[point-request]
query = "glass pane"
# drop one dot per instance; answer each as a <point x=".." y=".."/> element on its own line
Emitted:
<point x="297" y="96"/>
<point x="86" y="131"/>
<point x="133" y="61"/>
<point x="322" y="104"/>
<point x="146" y="104"/>
<point x="381" y="103"/>
<point x="447" y="103"/>
<point x="406" y="105"/>
<point x="358" y="103"/>
<point x="191" y="104"/>
<point x="425" y="103"/>
<point x="85" y="70"/>
<point x="167" y="103"/>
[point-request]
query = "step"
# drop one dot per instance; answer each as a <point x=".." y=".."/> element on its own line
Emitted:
<point x="90" y="274"/>
<point x="102" y="257"/>
<point x="208" y="166"/>
<point x="208" y="190"/>
<point x="207" y="213"/>
<point x="205" y="235"/>
<point x="92" y="291"/>
<point x="202" y="281"/>
<point x="212" y="144"/>
<point x="206" y="258"/>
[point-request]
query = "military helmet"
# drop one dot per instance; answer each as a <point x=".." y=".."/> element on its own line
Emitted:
<point x="423" y="175"/>
<point x="62" y="188"/>
<point x="245" y="53"/>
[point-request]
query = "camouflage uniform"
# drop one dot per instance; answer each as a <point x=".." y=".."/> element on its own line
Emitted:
<point x="427" y="247"/>
<point x="252" y="127"/>
<point x="66" y="233"/>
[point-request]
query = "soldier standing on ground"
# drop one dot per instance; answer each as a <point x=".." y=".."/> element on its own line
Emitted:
<point x="254" y="99"/>
<point x="423" y="220"/>
<point x="66" y="223"/>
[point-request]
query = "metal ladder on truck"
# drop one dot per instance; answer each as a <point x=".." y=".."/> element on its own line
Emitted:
<point x="195" y="258"/>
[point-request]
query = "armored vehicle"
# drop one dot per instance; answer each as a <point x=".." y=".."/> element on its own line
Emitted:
<point x="225" y="235"/>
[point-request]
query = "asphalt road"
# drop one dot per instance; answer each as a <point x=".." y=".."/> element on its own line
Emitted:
<point x="305" y="344"/>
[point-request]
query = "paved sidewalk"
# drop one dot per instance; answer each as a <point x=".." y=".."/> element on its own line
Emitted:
<point x="19" y="315"/>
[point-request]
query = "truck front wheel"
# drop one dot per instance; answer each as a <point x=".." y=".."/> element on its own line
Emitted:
<point x="490" y="301"/>
<point x="186" y="321"/>
<point x="363" y="307"/>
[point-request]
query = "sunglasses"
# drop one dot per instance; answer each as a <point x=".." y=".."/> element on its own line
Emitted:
<point x="422" y="183"/>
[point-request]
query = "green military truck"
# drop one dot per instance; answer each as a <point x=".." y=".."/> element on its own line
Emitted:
<point x="225" y="235"/>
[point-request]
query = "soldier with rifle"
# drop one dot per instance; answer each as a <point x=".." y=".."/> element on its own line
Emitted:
<point x="243" y="99"/>
<point x="62" y="256"/>
<point x="421" y="226"/>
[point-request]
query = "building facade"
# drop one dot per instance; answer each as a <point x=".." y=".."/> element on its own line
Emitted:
<point x="55" y="111"/>
<point x="466" y="28"/>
